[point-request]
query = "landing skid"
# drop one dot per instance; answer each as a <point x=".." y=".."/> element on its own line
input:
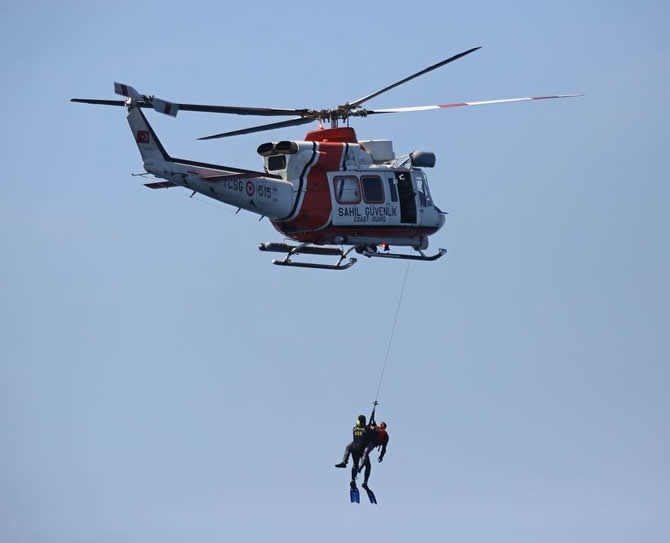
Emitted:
<point x="306" y="249"/>
<point x="365" y="251"/>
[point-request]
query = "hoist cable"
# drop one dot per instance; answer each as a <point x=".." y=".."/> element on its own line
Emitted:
<point x="390" y="342"/>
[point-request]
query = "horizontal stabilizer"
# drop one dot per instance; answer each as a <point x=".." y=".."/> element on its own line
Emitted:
<point x="160" y="185"/>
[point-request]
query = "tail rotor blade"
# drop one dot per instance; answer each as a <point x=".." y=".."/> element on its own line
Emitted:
<point x="163" y="106"/>
<point x="126" y="90"/>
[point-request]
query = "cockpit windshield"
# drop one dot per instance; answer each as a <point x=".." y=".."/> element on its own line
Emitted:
<point x="422" y="189"/>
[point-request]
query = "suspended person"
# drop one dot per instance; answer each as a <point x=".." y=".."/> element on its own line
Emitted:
<point x="364" y="440"/>
<point x="362" y="434"/>
<point x="358" y="437"/>
<point x="379" y="438"/>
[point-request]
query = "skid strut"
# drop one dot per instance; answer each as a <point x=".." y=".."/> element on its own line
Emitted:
<point x="307" y="249"/>
<point x="366" y="251"/>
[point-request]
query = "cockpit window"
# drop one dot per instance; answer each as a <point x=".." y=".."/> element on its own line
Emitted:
<point x="276" y="162"/>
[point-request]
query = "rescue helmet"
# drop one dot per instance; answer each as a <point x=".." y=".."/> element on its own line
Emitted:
<point x="360" y="421"/>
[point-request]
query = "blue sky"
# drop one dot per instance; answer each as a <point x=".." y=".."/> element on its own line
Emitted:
<point x="160" y="380"/>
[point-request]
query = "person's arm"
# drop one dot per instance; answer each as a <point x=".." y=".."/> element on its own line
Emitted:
<point x="381" y="454"/>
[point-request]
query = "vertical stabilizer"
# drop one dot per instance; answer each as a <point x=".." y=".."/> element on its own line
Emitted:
<point x="152" y="151"/>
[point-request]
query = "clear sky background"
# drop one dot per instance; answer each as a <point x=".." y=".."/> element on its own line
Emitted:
<point x="161" y="381"/>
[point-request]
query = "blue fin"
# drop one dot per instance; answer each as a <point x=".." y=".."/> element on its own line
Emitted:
<point x="354" y="494"/>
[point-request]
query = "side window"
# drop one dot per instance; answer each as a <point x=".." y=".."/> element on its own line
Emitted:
<point x="373" y="189"/>
<point x="276" y="162"/>
<point x="347" y="189"/>
<point x="392" y="189"/>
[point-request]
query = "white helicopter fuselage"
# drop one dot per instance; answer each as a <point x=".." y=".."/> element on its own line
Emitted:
<point x="327" y="189"/>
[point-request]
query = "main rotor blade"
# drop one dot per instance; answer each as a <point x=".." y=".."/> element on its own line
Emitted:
<point x="261" y="128"/>
<point x="100" y="102"/>
<point x="261" y="111"/>
<point x="459" y="104"/>
<point x="424" y="71"/>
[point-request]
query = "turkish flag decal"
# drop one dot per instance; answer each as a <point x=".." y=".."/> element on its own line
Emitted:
<point x="142" y="136"/>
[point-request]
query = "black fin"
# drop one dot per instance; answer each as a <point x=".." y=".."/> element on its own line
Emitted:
<point x="371" y="495"/>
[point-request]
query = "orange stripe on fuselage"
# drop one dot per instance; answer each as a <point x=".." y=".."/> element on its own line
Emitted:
<point x="316" y="206"/>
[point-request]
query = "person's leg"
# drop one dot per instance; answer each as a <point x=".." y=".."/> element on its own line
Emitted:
<point x="347" y="452"/>
<point x="368" y="469"/>
<point x="355" y="457"/>
<point x="366" y="455"/>
<point x="345" y="458"/>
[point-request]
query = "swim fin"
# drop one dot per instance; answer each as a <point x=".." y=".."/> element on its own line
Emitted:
<point x="354" y="494"/>
<point x="371" y="495"/>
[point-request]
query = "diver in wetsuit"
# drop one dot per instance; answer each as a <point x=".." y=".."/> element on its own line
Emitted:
<point x="362" y="437"/>
<point x="363" y="441"/>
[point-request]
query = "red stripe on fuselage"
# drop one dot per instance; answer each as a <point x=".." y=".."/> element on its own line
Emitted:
<point x="334" y="234"/>
<point x="316" y="207"/>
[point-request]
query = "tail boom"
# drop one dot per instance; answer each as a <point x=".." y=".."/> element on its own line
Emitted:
<point x="253" y="191"/>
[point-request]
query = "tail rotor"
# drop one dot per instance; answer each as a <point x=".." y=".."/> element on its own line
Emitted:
<point x="134" y="98"/>
<point x="160" y="105"/>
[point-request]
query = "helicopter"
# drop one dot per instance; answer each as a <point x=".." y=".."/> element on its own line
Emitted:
<point x="330" y="193"/>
